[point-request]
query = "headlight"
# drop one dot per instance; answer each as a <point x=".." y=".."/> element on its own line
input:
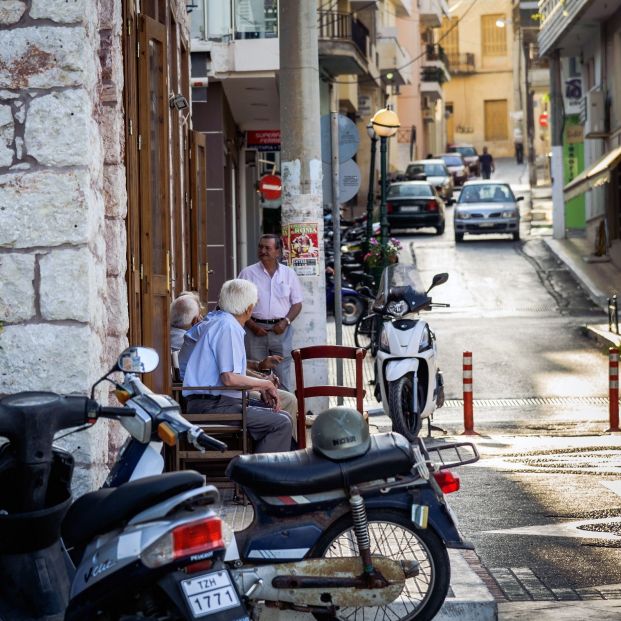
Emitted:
<point x="384" y="345"/>
<point x="509" y="214"/>
<point x="397" y="309"/>
<point x="462" y="215"/>
<point x="425" y="341"/>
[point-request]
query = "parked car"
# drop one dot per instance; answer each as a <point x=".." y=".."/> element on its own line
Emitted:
<point x="457" y="167"/>
<point x="435" y="172"/>
<point x="471" y="157"/>
<point x="414" y="204"/>
<point x="487" y="207"/>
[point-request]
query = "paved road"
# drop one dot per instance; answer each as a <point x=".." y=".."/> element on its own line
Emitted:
<point x="543" y="506"/>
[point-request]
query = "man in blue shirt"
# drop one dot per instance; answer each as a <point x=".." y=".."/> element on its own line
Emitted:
<point x="219" y="358"/>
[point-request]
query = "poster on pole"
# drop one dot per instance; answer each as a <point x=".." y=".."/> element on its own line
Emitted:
<point x="301" y="247"/>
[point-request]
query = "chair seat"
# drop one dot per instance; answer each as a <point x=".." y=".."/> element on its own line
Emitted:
<point x="106" y="509"/>
<point x="305" y="472"/>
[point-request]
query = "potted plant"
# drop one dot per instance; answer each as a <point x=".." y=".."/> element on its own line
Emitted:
<point x="380" y="255"/>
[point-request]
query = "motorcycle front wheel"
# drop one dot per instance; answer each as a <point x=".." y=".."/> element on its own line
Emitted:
<point x="366" y="332"/>
<point x="405" y="420"/>
<point x="394" y="536"/>
<point x="353" y="309"/>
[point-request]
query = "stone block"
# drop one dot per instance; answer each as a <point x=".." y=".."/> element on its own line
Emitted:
<point x="116" y="247"/>
<point x="69" y="287"/>
<point x="115" y="191"/>
<point x="112" y="133"/>
<point x="61" y="131"/>
<point x="117" y="306"/>
<point x="11" y="11"/>
<point x="7" y="136"/>
<point x="48" y="209"/>
<point x="61" y="11"/>
<point x="59" y="358"/>
<point x="17" y="299"/>
<point x="47" y="57"/>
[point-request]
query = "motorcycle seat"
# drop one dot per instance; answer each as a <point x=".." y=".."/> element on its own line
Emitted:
<point x="305" y="472"/>
<point x="106" y="509"/>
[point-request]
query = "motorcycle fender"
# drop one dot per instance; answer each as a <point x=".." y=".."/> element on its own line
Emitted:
<point x="396" y="369"/>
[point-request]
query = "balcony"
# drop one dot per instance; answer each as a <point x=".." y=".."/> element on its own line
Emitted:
<point x="394" y="62"/>
<point x="431" y="12"/>
<point x="461" y="64"/>
<point x="343" y="44"/>
<point x="431" y="80"/>
<point x="435" y="57"/>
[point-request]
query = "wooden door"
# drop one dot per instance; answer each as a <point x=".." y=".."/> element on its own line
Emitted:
<point x="154" y="197"/>
<point x="496" y="120"/>
<point x="200" y="261"/>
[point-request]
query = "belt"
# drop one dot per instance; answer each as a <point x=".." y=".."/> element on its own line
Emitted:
<point x="270" y="321"/>
<point x="203" y="396"/>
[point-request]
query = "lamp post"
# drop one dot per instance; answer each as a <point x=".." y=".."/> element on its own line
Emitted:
<point x="385" y="123"/>
<point x="371" y="194"/>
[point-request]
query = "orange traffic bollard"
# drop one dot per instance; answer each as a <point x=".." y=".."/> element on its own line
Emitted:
<point x="468" y="409"/>
<point x="613" y="388"/>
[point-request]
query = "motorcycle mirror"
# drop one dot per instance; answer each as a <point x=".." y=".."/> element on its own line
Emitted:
<point x="438" y="279"/>
<point x="138" y="360"/>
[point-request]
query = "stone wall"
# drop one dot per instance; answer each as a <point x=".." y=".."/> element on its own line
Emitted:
<point x="63" y="298"/>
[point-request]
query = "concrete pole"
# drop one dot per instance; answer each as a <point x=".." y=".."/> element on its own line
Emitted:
<point x="530" y="120"/>
<point x="302" y="198"/>
<point x="556" y="127"/>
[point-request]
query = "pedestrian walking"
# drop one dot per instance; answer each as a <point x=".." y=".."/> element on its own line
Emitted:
<point x="269" y="330"/>
<point x="487" y="164"/>
<point x="518" y="143"/>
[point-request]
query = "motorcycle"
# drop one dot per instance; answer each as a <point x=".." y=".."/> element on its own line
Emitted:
<point x="330" y="536"/>
<point x="152" y="548"/>
<point x="408" y="382"/>
<point x="353" y="302"/>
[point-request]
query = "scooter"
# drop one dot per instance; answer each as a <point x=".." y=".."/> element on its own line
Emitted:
<point x="365" y="532"/>
<point x="408" y="382"/>
<point x="153" y="548"/>
<point x="353" y="302"/>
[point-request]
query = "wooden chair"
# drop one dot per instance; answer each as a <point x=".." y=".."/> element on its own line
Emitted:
<point x="303" y="392"/>
<point x="229" y="427"/>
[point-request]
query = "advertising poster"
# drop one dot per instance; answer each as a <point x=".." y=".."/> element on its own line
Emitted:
<point x="301" y="247"/>
<point x="573" y="165"/>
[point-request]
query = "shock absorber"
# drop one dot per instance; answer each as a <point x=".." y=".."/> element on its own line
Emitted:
<point x="361" y="528"/>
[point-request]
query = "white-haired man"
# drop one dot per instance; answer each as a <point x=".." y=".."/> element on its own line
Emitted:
<point x="219" y="358"/>
<point x="185" y="311"/>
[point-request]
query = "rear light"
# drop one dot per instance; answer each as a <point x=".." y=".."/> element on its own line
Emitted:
<point x="447" y="481"/>
<point x="432" y="206"/>
<point x="189" y="539"/>
<point x="389" y="207"/>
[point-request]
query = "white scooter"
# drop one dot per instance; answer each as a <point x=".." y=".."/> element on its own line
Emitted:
<point x="408" y="381"/>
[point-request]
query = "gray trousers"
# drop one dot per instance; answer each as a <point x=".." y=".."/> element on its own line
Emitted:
<point x="259" y="347"/>
<point x="270" y="430"/>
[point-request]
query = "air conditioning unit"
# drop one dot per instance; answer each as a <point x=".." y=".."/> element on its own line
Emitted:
<point x="595" y="125"/>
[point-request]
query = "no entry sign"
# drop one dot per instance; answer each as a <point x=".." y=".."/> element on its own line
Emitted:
<point x="270" y="187"/>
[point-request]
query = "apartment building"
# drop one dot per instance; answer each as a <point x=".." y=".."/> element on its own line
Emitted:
<point x="481" y="100"/>
<point x="582" y="41"/>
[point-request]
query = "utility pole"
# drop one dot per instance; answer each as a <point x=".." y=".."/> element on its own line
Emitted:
<point x="302" y="198"/>
<point x="556" y="126"/>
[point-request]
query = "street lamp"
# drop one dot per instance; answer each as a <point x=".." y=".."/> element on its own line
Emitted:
<point x="371" y="194"/>
<point x="385" y="123"/>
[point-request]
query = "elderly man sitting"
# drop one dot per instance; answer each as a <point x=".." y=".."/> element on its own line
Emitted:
<point x="185" y="311"/>
<point x="219" y="358"/>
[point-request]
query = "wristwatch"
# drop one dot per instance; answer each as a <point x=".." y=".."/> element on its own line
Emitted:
<point x="287" y="320"/>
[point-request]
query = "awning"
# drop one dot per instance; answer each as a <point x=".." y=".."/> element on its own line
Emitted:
<point x="594" y="176"/>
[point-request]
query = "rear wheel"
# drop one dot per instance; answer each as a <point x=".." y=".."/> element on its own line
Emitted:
<point x="394" y="536"/>
<point x="405" y="420"/>
<point x="353" y="309"/>
<point x="440" y="228"/>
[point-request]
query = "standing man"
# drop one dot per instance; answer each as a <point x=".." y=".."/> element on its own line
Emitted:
<point x="487" y="164"/>
<point x="219" y="359"/>
<point x="269" y="331"/>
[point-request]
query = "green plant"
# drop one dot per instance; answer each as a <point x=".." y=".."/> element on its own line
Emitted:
<point x="382" y="254"/>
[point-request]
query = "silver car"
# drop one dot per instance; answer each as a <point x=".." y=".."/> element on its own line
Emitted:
<point x="436" y="173"/>
<point x="487" y="207"/>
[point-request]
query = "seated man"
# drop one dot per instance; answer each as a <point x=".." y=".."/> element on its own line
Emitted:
<point x="219" y="358"/>
<point x="185" y="311"/>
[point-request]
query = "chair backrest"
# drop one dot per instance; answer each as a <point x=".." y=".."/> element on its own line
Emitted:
<point x="302" y="391"/>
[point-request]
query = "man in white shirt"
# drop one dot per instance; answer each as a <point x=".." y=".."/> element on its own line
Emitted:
<point x="269" y="330"/>
<point x="219" y="359"/>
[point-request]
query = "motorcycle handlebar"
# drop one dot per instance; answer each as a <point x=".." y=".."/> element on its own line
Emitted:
<point x="114" y="412"/>
<point x="208" y="442"/>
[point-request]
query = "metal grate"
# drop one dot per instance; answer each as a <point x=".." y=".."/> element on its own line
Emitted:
<point x="529" y="401"/>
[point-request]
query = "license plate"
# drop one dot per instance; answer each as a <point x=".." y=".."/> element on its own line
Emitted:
<point x="486" y="225"/>
<point x="410" y="209"/>
<point x="209" y="593"/>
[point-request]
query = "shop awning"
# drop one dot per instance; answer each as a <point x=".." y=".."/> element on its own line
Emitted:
<point x="597" y="174"/>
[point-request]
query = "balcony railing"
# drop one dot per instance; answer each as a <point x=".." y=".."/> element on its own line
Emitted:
<point x="432" y="74"/>
<point x="436" y="52"/>
<point x="335" y="25"/>
<point x="461" y="63"/>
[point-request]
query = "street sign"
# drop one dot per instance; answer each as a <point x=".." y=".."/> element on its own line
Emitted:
<point x="270" y="187"/>
<point x="349" y="181"/>
<point x="349" y="139"/>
